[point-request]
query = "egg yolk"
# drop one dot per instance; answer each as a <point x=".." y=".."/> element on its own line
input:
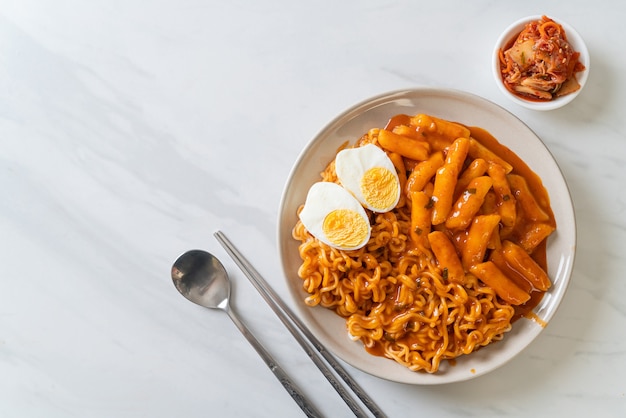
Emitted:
<point x="379" y="188"/>
<point x="345" y="228"/>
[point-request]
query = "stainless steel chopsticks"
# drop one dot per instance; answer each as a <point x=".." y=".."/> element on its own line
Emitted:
<point x="289" y="319"/>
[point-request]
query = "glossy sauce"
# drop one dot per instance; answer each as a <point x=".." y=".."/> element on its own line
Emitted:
<point x="535" y="185"/>
<point x="541" y="195"/>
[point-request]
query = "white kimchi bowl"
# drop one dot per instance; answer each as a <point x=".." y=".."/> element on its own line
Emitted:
<point x="575" y="40"/>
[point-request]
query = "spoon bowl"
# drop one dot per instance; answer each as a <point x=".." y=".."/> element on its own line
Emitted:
<point x="201" y="278"/>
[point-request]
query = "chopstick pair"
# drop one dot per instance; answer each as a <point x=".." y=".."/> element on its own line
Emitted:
<point x="291" y="322"/>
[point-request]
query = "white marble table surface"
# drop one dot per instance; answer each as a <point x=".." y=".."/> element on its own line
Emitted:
<point x="131" y="130"/>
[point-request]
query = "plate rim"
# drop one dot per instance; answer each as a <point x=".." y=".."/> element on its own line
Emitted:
<point x="531" y="329"/>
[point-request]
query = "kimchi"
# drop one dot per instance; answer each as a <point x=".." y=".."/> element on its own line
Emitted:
<point x="540" y="64"/>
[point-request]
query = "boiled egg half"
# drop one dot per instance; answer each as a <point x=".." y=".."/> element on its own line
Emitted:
<point x="368" y="173"/>
<point x="335" y="217"/>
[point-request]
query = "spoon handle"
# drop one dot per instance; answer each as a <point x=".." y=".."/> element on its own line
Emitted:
<point x="289" y="319"/>
<point x="280" y="374"/>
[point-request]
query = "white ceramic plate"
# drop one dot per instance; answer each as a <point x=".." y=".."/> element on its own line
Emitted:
<point x="470" y="110"/>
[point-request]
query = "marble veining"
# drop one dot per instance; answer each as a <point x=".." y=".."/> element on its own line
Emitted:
<point x="130" y="131"/>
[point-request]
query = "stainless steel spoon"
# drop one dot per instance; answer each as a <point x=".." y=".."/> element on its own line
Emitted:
<point x="200" y="277"/>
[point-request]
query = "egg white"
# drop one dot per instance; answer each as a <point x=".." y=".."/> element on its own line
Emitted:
<point x="322" y="199"/>
<point x="352" y="163"/>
